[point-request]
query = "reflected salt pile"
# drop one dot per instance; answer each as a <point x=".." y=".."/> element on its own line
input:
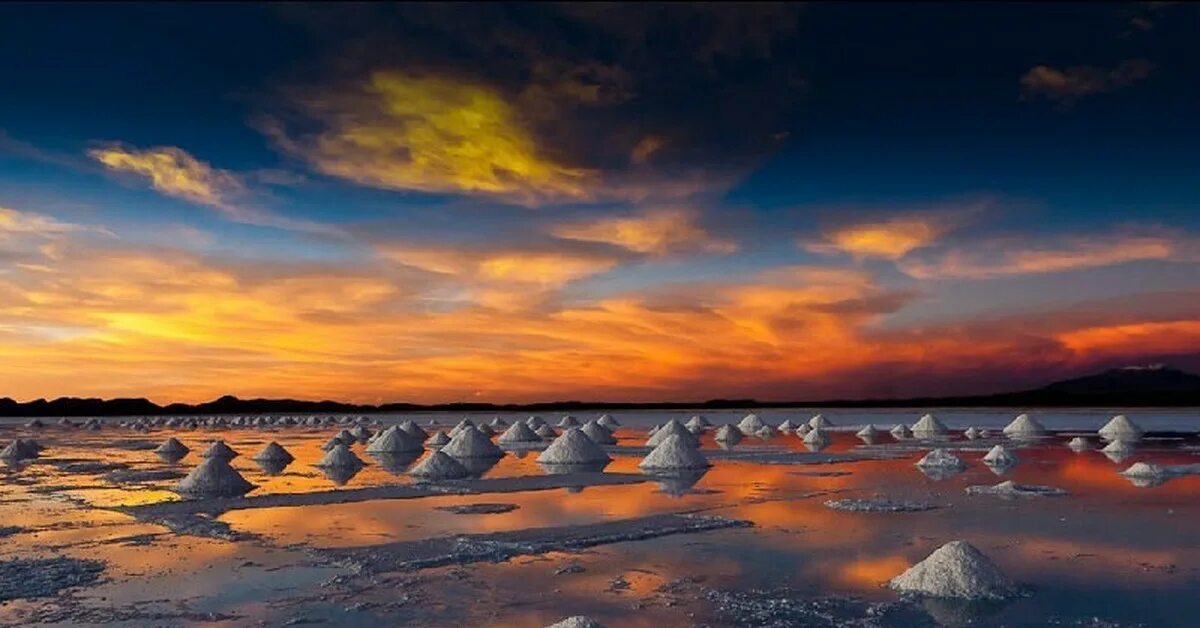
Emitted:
<point x="678" y="483"/>
<point x="396" y="463"/>
<point x="728" y="435"/>
<point x="214" y="478"/>
<point x="1118" y="450"/>
<point x="956" y="570"/>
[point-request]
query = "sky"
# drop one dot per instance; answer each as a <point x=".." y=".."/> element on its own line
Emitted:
<point x="515" y="203"/>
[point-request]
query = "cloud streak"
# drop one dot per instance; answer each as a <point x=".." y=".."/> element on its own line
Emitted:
<point x="1067" y="85"/>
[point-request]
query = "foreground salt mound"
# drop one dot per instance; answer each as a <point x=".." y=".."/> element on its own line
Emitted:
<point x="573" y="448"/>
<point x="750" y="424"/>
<point x="941" y="459"/>
<point x="273" y="452"/>
<point x="471" y="443"/>
<point x="901" y="431"/>
<point x="518" y="433"/>
<point x="728" y="434"/>
<point x="929" y="426"/>
<point x="172" y="447"/>
<point x="608" y="421"/>
<point x="998" y="456"/>
<point x="1024" y="426"/>
<point x="868" y="433"/>
<point x="956" y="570"/>
<point x="437" y="441"/>
<point x="214" y="478"/>
<point x="672" y="427"/>
<point x="439" y="466"/>
<point x="1121" y="428"/>
<point x="674" y="453"/>
<point x="218" y="449"/>
<point x="394" y="441"/>
<point x="578" y="621"/>
<point x="598" y="433"/>
<point x="339" y="457"/>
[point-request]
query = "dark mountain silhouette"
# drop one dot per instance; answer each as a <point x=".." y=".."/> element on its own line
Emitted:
<point x="1134" y="386"/>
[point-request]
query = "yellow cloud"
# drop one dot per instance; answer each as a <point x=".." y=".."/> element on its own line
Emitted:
<point x="173" y="172"/>
<point x="1002" y="257"/>
<point x="14" y="223"/>
<point x="655" y="232"/>
<point x="890" y="239"/>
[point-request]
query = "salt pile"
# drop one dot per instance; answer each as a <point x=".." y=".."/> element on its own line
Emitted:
<point x="273" y="452"/>
<point x="816" y="438"/>
<point x="340" y="457"/>
<point x="1024" y="426"/>
<point x="609" y="422"/>
<point x="868" y="433"/>
<point x="218" y="449"/>
<point x="819" y="421"/>
<point x="498" y="423"/>
<point x="568" y="421"/>
<point x="941" y="459"/>
<point x="439" y="466"/>
<point x="1144" y="470"/>
<point x="956" y="570"/>
<point x="394" y="440"/>
<point x="803" y="430"/>
<point x="214" y="478"/>
<point x="346" y="437"/>
<point x="1012" y="489"/>
<point x="971" y="433"/>
<point x="928" y="426"/>
<point x="172" y="447"/>
<point x="1079" y="443"/>
<point x="534" y="422"/>
<point x="17" y="450"/>
<point x="414" y="430"/>
<point x="669" y="428"/>
<point x="577" y="621"/>
<point x="786" y="426"/>
<point x="674" y="452"/>
<point x="901" y="431"/>
<point x="361" y="433"/>
<point x="573" y="448"/>
<point x="1118" y="446"/>
<point x="65" y="422"/>
<point x="471" y="443"/>
<point x="333" y="441"/>
<point x="598" y="433"/>
<point x="728" y="434"/>
<point x="518" y="433"/>
<point x="462" y="425"/>
<point x="92" y="424"/>
<point x="1121" y="428"/>
<point x="545" y="431"/>
<point x="35" y="424"/>
<point x="697" y="424"/>
<point x="486" y="430"/>
<point x="750" y="424"/>
<point x="767" y="432"/>
<point x="998" y="456"/>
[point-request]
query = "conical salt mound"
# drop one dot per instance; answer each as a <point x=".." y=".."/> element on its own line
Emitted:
<point x="901" y="431"/>
<point x="971" y="433"/>
<point x="273" y="452"/>
<point x="35" y="424"/>
<point x="172" y="446"/>
<point x="439" y="466"/>
<point x="697" y="424"/>
<point x="750" y="424"/>
<point x="729" y="435"/>
<point x="998" y="456"/>
<point x="573" y="447"/>
<point x="218" y="449"/>
<point x="214" y="478"/>
<point x="534" y="422"/>
<point x="346" y="437"/>
<point x="339" y="457"/>
<point x="1120" y="428"/>
<point x="414" y="430"/>
<point x="65" y="422"/>
<point x="486" y="430"/>
<point x="669" y="428"/>
<point x="1144" y="470"/>
<point x="674" y="453"/>
<point x="928" y="426"/>
<point x="868" y="433"/>
<point x="816" y="436"/>
<point x="438" y="440"/>
<point x="471" y="443"/>
<point x="333" y="441"/>
<point x="803" y="429"/>
<point x="576" y="621"/>
<point x="394" y="441"/>
<point x="545" y="431"/>
<point x="518" y="433"/>
<point x="608" y="421"/>
<point x="1079" y="443"/>
<point x="941" y="459"/>
<point x="568" y="421"/>
<point x="767" y="432"/>
<point x="498" y="423"/>
<point x="819" y="421"/>
<point x="1117" y="446"/>
<point x="462" y="425"/>
<point x="956" y="570"/>
<point x="598" y="433"/>
<point x="1024" y="426"/>
<point x="17" y="450"/>
<point x="786" y="426"/>
<point x="361" y="433"/>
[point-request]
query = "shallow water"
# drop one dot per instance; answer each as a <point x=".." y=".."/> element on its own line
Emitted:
<point x="1109" y="551"/>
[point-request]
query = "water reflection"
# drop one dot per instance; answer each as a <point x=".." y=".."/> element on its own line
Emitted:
<point x="272" y="467"/>
<point x="564" y="469"/>
<point x="679" y="483"/>
<point x="171" y="457"/>
<point x="340" y="475"/>
<point x="396" y="463"/>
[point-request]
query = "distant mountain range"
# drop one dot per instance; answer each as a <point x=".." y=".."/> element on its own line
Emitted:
<point x="1133" y="386"/>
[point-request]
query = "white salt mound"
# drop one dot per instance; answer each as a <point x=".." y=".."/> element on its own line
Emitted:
<point x="218" y="449"/>
<point x="674" y="452"/>
<point x="786" y="426"/>
<point x="1012" y="489"/>
<point x="394" y="441"/>
<point x="609" y="422"/>
<point x="534" y="422"/>
<point x="1120" y="428"/>
<point x="956" y="570"/>
<point x="340" y="457"/>
<point x="868" y="433"/>
<point x="578" y="621"/>
<point x="35" y="424"/>
<point x="927" y="426"/>
<point x="971" y="433"/>
<point x="172" y="446"/>
<point x="545" y="431"/>
<point x="1079" y="443"/>
<point x="518" y="433"/>
<point x="803" y="430"/>
<point x="819" y="421"/>
<point x="486" y="430"/>
<point x="573" y="447"/>
<point x="333" y="441"/>
<point x="901" y="431"/>
<point x="414" y="430"/>
<point x="498" y="423"/>
<point x="669" y="428"/>
<point x="767" y="432"/>
<point x="1144" y="470"/>
<point x="941" y="459"/>
<point x="728" y="434"/>
<point x="816" y="436"/>
<point x="346" y="437"/>
<point x="439" y="466"/>
<point x="568" y="421"/>
<point x="462" y="425"/>
<point x="439" y="439"/>
<point x="214" y="478"/>
<point x="998" y="456"/>
<point x="1118" y="446"/>
<point x="361" y="433"/>
<point x="471" y="443"/>
<point x="273" y="452"/>
<point x="1024" y="426"/>
<point x="750" y="424"/>
<point x="598" y="433"/>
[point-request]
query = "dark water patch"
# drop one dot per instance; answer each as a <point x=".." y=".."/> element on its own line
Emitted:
<point x="479" y="509"/>
<point x="45" y="577"/>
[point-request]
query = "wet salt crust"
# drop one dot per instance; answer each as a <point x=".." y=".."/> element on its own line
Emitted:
<point x="478" y="509"/>
<point x="1012" y="489"/>
<point x="34" y="578"/>
<point x="878" y="505"/>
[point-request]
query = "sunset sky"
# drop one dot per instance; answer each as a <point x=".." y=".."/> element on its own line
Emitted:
<point x="518" y="203"/>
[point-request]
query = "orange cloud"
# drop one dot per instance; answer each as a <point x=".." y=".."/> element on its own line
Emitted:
<point x="1156" y="338"/>
<point x="891" y="238"/>
<point x="1017" y="257"/>
<point x="655" y="232"/>
<point x="1068" y="85"/>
